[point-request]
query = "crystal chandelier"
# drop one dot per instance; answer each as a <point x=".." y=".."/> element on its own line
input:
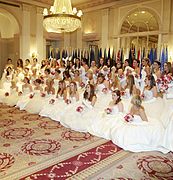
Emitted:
<point x="61" y="17"/>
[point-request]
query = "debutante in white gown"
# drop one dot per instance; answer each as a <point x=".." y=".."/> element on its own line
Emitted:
<point x="103" y="123"/>
<point x="54" y="110"/>
<point x="12" y="99"/>
<point x="24" y="98"/>
<point x="79" y="121"/>
<point x="154" y="107"/>
<point x="35" y="105"/>
<point x="138" y="135"/>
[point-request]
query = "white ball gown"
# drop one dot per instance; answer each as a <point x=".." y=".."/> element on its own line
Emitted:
<point x="104" y="122"/>
<point x="53" y="110"/>
<point x="138" y="135"/>
<point x="79" y="121"/>
<point x="24" y="98"/>
<point x="35" y="104"/>
<point x="12" y="99"/>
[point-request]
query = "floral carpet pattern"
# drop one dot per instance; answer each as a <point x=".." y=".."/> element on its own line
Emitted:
<point x="33" y="147"/>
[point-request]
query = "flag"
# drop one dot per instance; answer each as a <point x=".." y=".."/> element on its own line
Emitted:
<point x="121" y="56"/>
<point x="139" y="55"/>
<point x="100" y="56"/>
<point x="162" y="59"/>
<point x="105" y="54"/>
<point x="151" y="57"/>
<point x="166" y="54"/>
<point x="130" y="57"/>
<point x="113" y="54"/>
<point x="57" y="54"/>
<point x="109" y="53"/>
<point x="63" y="53"/>
<point x="78" y="53"/>
<point x="92" y="55"/>
<point x="75" y="53"/>
<point x="155" y="54"/>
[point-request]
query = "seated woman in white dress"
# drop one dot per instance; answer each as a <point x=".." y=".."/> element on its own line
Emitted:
<point x="136" y="132"/>
<point x="54" y="106"/>
<point x="24" y="95"/>
<point x="12" y="98"/>
<point x="36" y="102"/>
<point x="82" y="114"/>
<point x="115" y="84"/>
<point x="102" y="85"/>
<point x="57" y="78"/>
<point x="153" y="104"/>
<point x="77" y="78"/>
<point x="73" y="94"/>
<point x="129" y="91"/>
<point x="105" y="120"/>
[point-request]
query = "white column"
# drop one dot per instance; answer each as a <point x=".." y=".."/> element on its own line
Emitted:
<point x="79" y="38"/>
<point x="66" y="40"/>
<point x="159" y="46"/>
<point x="105" y="30"/>
<point x="39" y="35"/>
<point x="25" y="38"/>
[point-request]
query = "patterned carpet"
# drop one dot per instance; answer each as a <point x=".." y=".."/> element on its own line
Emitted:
<point x="33" y="147"/>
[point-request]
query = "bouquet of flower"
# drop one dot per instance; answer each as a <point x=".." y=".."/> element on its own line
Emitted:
<point x="79" y="109"/>
<point x="31" y="96"/>
<point x="108" y="110"/>
<point x="82" y="84"/>
<point x="52" y="101"/>
<point x="122" y="93"/>
<point x="53" y="73"/>
<point x="128" y="118"/>
<point x="43" y="94"/>
<point x="163" y="88"/>
<point x="67" y="101"/>
<point x="142" y="96"/>
<point x="20" y="93"/>
<point x="104" y="90"/>
<point x="6" y="94"/>
<point x="167" y="79"/>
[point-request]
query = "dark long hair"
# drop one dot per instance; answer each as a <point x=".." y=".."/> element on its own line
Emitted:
<point x="130" y="83"/>
<point x="152" y="81"/>
<point x="118" y="93"/>
<point x="92" y="93"/>
<point x="63" y="88"/>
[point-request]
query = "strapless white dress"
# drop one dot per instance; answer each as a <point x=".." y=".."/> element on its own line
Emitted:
<point x="36" y="103"/>
<point x="138" y="135"/>
<point x="79" y="121"/>
<point x="103" y="123"/>
<point x="24" y="98"/>
<point x="12" y="99"/>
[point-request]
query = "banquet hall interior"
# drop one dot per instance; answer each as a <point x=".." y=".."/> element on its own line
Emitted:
<point x="86" y="89"/>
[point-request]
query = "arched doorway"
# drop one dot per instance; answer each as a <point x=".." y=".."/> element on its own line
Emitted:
<point x="9" y="38"/>
<point x="140" y="29"/>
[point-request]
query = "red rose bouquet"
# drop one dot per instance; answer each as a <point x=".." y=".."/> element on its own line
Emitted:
<point x="79" y="109"/>
<point x="20" y="93"/>
<point x="31" y="96"/>
<point x="52" y="101"/>
<point x="82" y="84"/>
<point x="104" y="90"/>
<point x="43" y="94"/>
<point x="67" y="101"/>
<point x="108" y="110"/>
<point x="128" y="118"/>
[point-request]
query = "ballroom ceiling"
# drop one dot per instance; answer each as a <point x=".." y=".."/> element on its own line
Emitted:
<point x="82" y="4"/>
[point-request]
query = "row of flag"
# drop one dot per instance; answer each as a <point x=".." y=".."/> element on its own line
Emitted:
<point x="120" y="55"/>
